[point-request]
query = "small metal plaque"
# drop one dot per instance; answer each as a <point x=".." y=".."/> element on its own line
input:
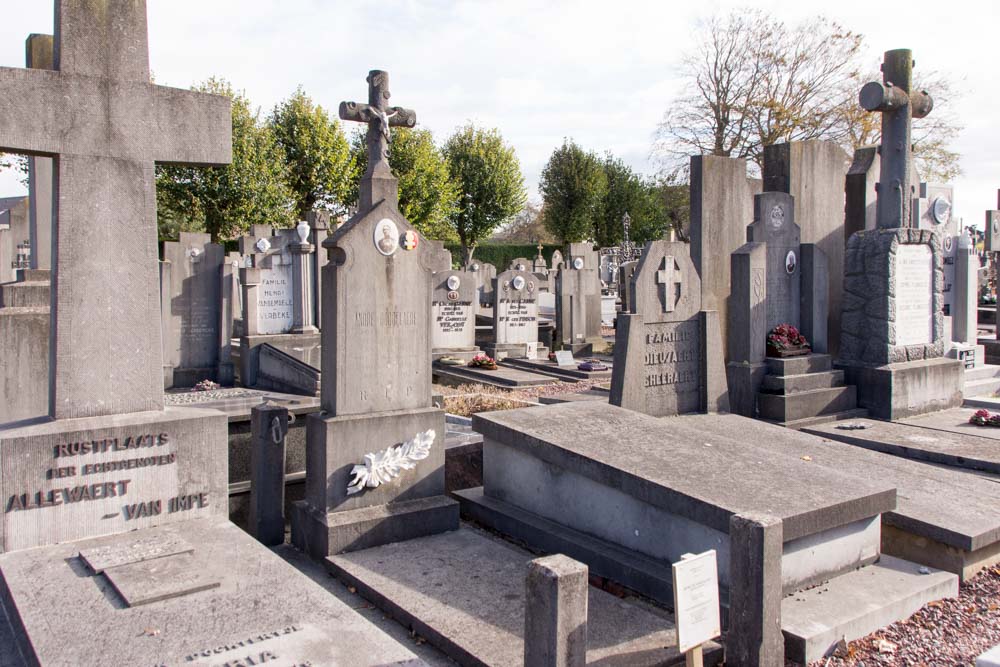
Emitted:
<point x="146" y="548"/>
<point x="159" y="579"/>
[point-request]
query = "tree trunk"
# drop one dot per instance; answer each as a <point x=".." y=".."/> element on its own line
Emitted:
<point x="467" y="254"/>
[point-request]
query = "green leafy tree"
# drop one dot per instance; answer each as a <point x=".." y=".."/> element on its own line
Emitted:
<point x="426" y="193"/>
<point x="225" y="201"/>
<point x="573" y="185"/>
<point x="316" y="154"/>
<point x="487" y="175"/>
<point x="626" y="192"/>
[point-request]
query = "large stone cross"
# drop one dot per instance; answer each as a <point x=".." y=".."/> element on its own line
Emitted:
<point x="106" y="125"/>
<point x="670" y="277"/>
<point x="378" y="182"/>
<point x="898" y="106"/>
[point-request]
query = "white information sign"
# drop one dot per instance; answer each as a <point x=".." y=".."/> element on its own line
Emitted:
<point x="564" y="358"/>
<point x="696" y="600"/>
<point x="914" y="290"/>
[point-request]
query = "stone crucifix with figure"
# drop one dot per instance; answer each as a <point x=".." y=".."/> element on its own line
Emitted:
<point x="378" y="181"/>
<point x="107" y="125"/>
<point x="892" y="329"/>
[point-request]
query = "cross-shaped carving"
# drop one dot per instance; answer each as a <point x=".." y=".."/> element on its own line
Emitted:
<point x="898" y="106"/>
<point x="670" y="277"/>
<point x="106" y="124"/>
<point x="379" y="118"/>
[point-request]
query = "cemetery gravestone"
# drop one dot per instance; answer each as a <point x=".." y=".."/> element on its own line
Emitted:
<point x="520" y="264"/>
<point x="578" y="301"/>
<point x="375" y="456"/>
<point x="991" y="246"/>
<point x="192" y="309"/>
<point x="515" y="316"/>
<point x="116" y="507"/>
<point x="485" y="274"/>
<point x="14" y="242"/>
<point x="453" y="315"/>
<point x="539" y="265"/>
<point x="669" y="341"/>
<point x="892" y="336"/>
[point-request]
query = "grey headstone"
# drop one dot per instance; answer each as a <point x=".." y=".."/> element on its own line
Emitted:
<point x="668" y="353"/>
<point x="557" y="260"/>
<point x="39" y="54"/>
<point x="774" y="224"/>
<point x="584" y="251"/>
<point x="105" y="215"/>
<point x="748" y="304"/>
<point x="269" y="428"/>
<point x="721" y="208"/>
<point x="192" y="309"/>
<point x="515" y="315"/>
<point x="453" y="311"/>
<point x="578" y="304"/>
<point x="933" y="211"/>
<point x="754" y="636"/>
<point x="964" y="315"/>
<point x="555" y="612"/>
<point x="814" y="172"/>
<point x="485" y="274"/>
<point x="520" y="264"/>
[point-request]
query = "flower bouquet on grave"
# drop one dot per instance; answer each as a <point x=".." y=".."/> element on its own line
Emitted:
<point x="206" y="385"/>
<point x="984" y="418"/>
<point x="592" y="365"/>
<point x="786" y="341"/>
<point x="483" y="362"/>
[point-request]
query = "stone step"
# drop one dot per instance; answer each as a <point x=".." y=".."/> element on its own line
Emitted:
<point x="858" y="603"/>
<point x="803" y="404"/>
<point x="843" y="415"/>
<point x="791" y="383"/>
<point x="810" y="363"/>
<point x="986" y="387"/>
<point x="984" y="372"/>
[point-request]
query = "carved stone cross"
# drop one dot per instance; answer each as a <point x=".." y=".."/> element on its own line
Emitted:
<point x="379" y="118"/>
<point x="898" y="106"/>
<point x="670" y="277"/>
<point x="106" y="124"/>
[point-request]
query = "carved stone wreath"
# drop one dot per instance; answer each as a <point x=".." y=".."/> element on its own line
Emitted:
<point x="384" y="466"/>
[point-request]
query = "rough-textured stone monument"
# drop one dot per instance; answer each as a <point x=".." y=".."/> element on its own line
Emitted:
<point x="191" y="303"/>
<point x="669" y="340"/>
<point x="24" y="347"/>
<point x="375" y="456"/>
<point x="578" y="300"/>
<point x="515" y="316"/>
<point x="892" y="338"/>
<point x="116" y="507"/>
<point x="39" y="54"/>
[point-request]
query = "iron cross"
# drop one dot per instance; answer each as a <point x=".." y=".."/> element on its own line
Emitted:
<point x="670" y="277"/>
<point x="898" y="106"/>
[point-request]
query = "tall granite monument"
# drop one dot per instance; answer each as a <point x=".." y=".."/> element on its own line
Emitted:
<point x="375" y="455"/>
<point x="892" y="339"/>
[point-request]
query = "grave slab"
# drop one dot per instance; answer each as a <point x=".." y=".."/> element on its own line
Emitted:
<point x="504" y="376"/>
<point x="477" y="618"/>
<point x="546" y="367"/>
<point x="862" y="602"/>
<point x="956" y="445"/>
<point x="943" y="518"/>
<point x="200" y="628"/>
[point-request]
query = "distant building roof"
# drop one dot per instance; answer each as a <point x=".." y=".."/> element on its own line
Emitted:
<point x="7" y="203"/>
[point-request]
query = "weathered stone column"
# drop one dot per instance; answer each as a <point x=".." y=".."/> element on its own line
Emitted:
<point x="169" y="362"/>
<point x="319" y="221"/>
<point x="250" y="281"/>
<point x="555" y="613"/>
<point x="269" y="426"/>
<point x="754" y="636"/>
<point x="230" y="269"/>
<point x="302" y="287"/>
<point x="39" y="54"/>
<point x="965" y="313"/>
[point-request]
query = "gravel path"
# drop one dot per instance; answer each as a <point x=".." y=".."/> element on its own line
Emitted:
<point x="947" y="632"/>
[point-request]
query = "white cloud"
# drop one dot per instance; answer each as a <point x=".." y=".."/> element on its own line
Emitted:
<point x="600" y="72"/>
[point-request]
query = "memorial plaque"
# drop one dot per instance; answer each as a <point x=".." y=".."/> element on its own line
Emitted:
<point x="275" y="303"/>
<point x="516" y="312"/>
<point x="302" y="644"/>
<point x="453" y="323"/>
<point x="673" y="359"/>
<point x="914" y="293"/>
<point x="150" y="581"/>
<point x="145" y="548"/>
<point x="696" y="600"/>
<point x="564" y="358"/>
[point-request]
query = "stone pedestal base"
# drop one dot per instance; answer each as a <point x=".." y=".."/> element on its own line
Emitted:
<point x="410" y="504"/>
<point x="744" y="381"/>
<point x="896" y="391"/>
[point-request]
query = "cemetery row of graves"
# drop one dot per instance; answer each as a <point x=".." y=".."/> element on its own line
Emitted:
<point x="761" y="445"/>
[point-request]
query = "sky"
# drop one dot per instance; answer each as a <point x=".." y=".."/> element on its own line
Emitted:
<point x="602" y="73"/>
